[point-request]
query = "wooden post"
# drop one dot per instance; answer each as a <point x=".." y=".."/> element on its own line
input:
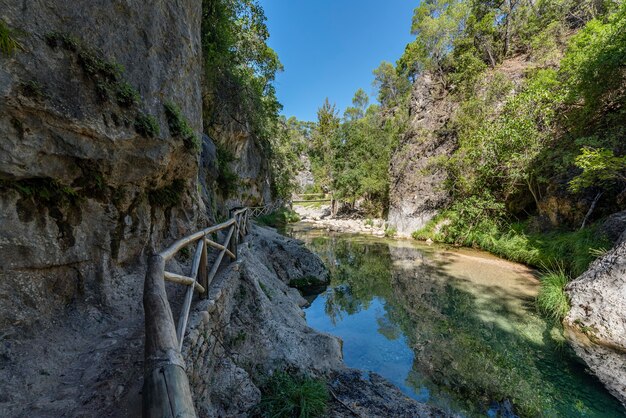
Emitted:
<point x="203" y="271"/>
<point x="184" y="313"/>
<point x="166" y="391"/>
<point x="232" y="242"/>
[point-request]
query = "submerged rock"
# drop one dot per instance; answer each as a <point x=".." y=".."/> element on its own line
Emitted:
<point x="596" y="323"/>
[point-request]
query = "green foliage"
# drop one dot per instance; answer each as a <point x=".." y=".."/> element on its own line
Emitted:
<point x="179" y="126"/>
<point x="126" y="94"/>
<point x="8" y="41"/>
<point x="46" y="191"/>
<point x="240" y="69"/>
<point x="106" y="74"/>
<point x="350" y="158"/>
<point x="552" y="299"/>
<point x="147" y="125"/>
<point x="321" y="149"/>
<point x="390" y="232"/>
<point x="392" y="88"/>
<point x="593" y="67"/>
<point x="598" y="167"/>
<point x="167" y="196"/>
<point x="278" y="218"/>
<point x="286" y="151"/>
<point x="287" y="395"/>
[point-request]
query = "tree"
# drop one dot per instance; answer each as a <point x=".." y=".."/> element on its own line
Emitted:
<point x="436" y="24"/>
<point x="321" y="152"/>
<point x="391" y="87"/>
<point x="359" y="105"/>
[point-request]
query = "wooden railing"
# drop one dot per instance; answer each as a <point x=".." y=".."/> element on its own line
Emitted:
<point x="166" y="391"/>
<point x="312" y="198"/>
<point x="256" y="211"/>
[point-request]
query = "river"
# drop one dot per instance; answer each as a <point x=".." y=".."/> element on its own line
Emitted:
<point x="455" y="328"/>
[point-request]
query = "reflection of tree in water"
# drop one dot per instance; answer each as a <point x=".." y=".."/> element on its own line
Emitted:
<point x="458" y="355"/>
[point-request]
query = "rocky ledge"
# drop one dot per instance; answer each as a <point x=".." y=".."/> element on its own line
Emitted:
<point x="252" y="325"/>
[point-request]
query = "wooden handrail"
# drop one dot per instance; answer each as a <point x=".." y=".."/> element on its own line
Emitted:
<point x="166" y="386"/>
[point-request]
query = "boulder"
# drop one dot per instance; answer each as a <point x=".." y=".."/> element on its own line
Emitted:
<point x="596" y="323"/>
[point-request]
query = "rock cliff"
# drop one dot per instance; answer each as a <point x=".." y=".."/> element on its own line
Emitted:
<point x="416" y="188"/>
<point x="100" y="116"/>
<point x="92" y="172"/>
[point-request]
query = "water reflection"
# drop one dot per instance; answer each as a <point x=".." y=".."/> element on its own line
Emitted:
<point x="453" y="328"/>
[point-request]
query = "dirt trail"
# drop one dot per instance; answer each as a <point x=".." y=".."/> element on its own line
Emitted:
<point x="87" y="363"/>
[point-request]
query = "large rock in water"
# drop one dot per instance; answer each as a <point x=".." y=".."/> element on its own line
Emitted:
<point x="596" y="323"/>
<point x="84" y="192"/>
<point x="416" y="189"/>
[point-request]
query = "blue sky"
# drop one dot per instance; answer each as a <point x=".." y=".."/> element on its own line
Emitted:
<point x="330" y="47"/>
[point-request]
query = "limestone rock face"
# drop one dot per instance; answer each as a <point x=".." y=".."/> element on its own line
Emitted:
<point x="416" y="192"/>
<point x="289" y="258"/>
<point x="84" y="189"/>
<point x="596" y="324"/>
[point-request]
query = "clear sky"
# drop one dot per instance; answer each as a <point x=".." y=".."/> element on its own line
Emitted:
<point x="330" y="47"/>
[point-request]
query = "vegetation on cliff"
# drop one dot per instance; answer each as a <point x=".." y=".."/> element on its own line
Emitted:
<point x="538" y="120"/>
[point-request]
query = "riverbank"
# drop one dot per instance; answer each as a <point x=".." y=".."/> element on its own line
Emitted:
<point x="319" y="216"/>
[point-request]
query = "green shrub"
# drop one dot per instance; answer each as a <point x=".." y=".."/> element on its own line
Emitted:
<point x="179" y="126"/>
<point x="126" y="94"/>
<point x="46" y="191"/>
<point x="552" y="299"/>
<point x="8" y="43"/>
<point x="147" y="125"/>
<point x="390" y="232"/>
<point x="287" y="395"/>
<point x="279" y="218"/>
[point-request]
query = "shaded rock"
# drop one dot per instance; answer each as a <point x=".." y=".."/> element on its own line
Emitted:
<point x="614" y="226"/>
<point x="596" y="325"/>
<point x="370" y="395"/>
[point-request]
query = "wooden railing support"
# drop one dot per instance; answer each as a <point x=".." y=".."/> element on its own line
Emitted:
<point x="166" y="391"/>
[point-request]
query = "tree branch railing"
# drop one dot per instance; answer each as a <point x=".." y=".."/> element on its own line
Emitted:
<point x="257" y="211"/>
<point x="166" y="390"/>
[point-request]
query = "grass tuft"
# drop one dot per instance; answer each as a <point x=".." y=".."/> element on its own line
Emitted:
<point x="552" y="299"/>
<point x="147" y="125"/>
<point x="286" y="395"/>
<point x="179" y="126"/>
<point x="8" y="43"/>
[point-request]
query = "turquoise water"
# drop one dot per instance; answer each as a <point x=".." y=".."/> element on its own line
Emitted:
<point x="454" y="328"/>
